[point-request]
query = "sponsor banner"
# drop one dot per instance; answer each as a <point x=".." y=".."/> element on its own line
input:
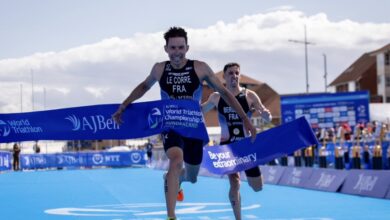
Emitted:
<point x="72" y="159"/>
<point x="326" y="179"/>
<point x="5" y="160"/>
<point x="273" y="143"/>
<point x="373" y="183"/>
<point x="294" y="176"/>
<point x="327" y="110"/>
<point x="37" y="161"/>
<point x="95" y="122"/>
<point x="272" y="174"/>
<point x="83" y="159"/>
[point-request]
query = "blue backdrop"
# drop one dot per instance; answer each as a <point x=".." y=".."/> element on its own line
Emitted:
<point x="326" y="110"/>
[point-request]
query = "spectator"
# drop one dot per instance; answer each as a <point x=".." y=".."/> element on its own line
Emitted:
<point x="16" y="152"/>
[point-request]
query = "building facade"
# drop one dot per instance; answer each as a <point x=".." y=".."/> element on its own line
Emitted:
<point x="371" y="72"/>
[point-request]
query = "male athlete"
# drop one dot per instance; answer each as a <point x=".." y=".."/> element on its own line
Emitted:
<point x="232" y="127"/>
<point x="181" y="78"/>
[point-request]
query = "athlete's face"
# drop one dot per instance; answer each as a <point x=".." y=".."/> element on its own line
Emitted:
<point x="176" y="50"/>
<point x="232" y="77"/>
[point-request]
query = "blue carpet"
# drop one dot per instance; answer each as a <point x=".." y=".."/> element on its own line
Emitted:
<point x="137" y="193"/>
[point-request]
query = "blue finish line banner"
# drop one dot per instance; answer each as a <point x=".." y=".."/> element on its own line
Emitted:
<point x="95" y="122"/>
<point x="270" y="144"/>
<point x="83" y="159"/>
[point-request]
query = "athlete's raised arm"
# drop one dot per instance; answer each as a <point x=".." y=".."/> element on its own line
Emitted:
<point x="139" y="91"/>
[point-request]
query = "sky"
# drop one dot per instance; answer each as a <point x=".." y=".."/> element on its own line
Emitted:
<point x="71" y="53"/>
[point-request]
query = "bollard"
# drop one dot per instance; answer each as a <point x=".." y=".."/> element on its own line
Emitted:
<point x="298" y="158"/>
<point x="284" y="161"/>
<point x="272" y="163"/>
<point x="309" y="160"/>
<point x="322" y="158"/>
<point x="388" y="157"/>
<point x="366" y="155"/>
<point x="347" y="160"/>
<point x="377" y="158"/>
<point x="356" y="160"/>
<point x="338" y="153"/>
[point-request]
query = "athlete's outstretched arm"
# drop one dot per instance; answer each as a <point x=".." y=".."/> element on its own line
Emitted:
<point x="213" y="81"/>
<point x="137" y="93"/>
<point x="211" y="102"/>
<point x="259" y="107"/>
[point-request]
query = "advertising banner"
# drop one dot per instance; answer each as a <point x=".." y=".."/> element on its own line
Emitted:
<point x="327" y="110"/>
<point x="95" y="122"/>
<point x="326" y="179"/>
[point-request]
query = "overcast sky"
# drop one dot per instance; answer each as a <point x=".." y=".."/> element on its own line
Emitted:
<point x="93" y="51"/>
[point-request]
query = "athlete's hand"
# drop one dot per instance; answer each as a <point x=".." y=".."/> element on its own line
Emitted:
<point x="117" y="116"/>
<point x="266" y="115"/>
<point x="250" y="128"/>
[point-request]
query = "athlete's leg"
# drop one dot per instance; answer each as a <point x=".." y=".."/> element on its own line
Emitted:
<point x="175" y="156"/>
<point x="254" y="178"/>
<point x="173" y="146"/>
<point x="234" y="194"/>
<point x="193" y="153"/>
<point x="190" y="173"/>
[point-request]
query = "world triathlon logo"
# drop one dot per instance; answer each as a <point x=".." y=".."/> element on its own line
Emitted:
<point x="5" y="129"/>
<point x="155" y="118"/>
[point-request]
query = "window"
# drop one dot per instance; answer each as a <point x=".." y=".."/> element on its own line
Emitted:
<point x="388" y="99"/>
<point x="357" y="86"/>
<point x="387" y="58"/>
<point x="387" y="81"/>
<point x="342" y="88"/>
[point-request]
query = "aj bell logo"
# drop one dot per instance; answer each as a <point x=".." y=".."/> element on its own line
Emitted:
<point x="5" y="129"/>
<point x="92" y="123"/>
<point x="155" y="118"/>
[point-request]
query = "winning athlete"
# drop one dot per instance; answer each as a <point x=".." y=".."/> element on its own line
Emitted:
<point x="181" y="78"/>
<point x="232" y="127"/>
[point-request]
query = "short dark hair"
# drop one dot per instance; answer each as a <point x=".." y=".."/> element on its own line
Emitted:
<point x="175" y="32"/>
<point x="230" y="65"/>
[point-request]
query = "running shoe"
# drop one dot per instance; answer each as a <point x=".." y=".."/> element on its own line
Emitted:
<point x="180" y="195"/>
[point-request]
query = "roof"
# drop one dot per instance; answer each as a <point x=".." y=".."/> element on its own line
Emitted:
<point x="359" y="67"/>
<point x="381" y="50"/>
<point x="356" y="70"/>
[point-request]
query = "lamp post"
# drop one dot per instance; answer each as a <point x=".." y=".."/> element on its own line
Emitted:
<point x="21" y="97"/>
<point x="32" y="89"/>
<point x="325" y="73"/>
<point x="305" y="42"/>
